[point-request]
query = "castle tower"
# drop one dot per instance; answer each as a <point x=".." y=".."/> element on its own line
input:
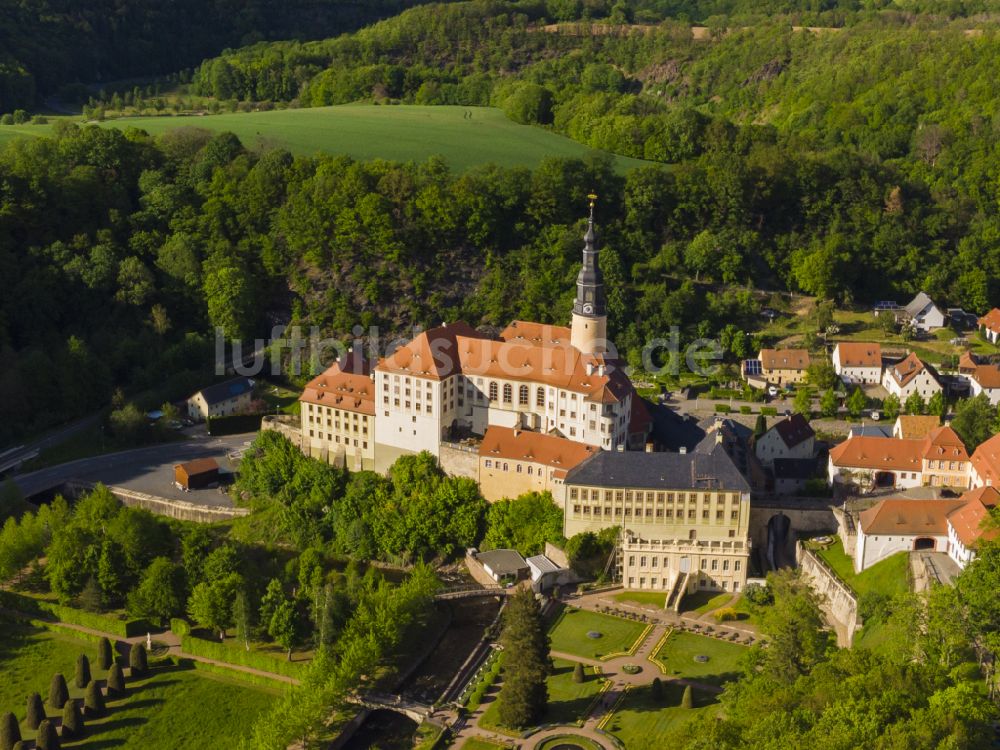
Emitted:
<point x="589" y="329"/>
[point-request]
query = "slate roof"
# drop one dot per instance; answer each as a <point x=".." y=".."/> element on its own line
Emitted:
<point x="502" y="562"/>
<point x="693" y="471"/>
<point x="918" y="304"/>
<point x="794" y="468"/>
<point x="226" y="390"/>
<point x="794" y="430"/>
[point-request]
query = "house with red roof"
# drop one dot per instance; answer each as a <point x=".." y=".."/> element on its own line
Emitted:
<point x="910" y="376"/>
<point x="858" y="362"/>
<point x="902" y="525"/>
<point x="968" y="525"/>
<point x="989" y="324"/>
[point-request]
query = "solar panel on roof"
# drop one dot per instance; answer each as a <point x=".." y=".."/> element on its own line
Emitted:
<point x="752" y="367"/>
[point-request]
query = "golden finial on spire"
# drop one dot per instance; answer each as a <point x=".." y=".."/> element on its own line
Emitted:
<point x="592" y="197"/>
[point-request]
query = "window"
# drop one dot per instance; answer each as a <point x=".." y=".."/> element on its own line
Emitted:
<point x="489" y="464"/>
<point x="508" y="393"/>
<point x="522" y="395"/>
<point x="704" y="564"/>
<point x="493" y="390"/>
<point x="715" y="564"/>
<point x="725" y="564"/>
<point x="519" y="468"/>
<point x="737" y="564"/>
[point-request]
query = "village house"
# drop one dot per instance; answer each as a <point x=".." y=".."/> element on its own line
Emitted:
<point x="790" y="438"/>
<point x="684" y="517"/>
<point x="966" y="524"/>
<point x="513" y="462"/>
<point x="922" y="314"/>
<point x="939" y="459"/>
<point x="858" y="363"/>
<point x="910" y="376"/>
<point x="985" y="379"/>
<point x="902" y="525"/>
<point x="985" y="464"/>
<point x="221" y="400"/>
<point x="777" y="367"/>
<point x="338" y="414"/>
<point x="989" y="326"/>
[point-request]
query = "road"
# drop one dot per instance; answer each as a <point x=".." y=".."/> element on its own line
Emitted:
<point x="55" y="437"/>
<point x="148" y="469"/>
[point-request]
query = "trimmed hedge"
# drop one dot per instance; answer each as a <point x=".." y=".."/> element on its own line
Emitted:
<point x="234" y="425"/>
<point x="722" y="408"/>
<point x="93" y="620"/>
<point x="769" y="411"/>
<point x="234" y="675"/>
<point x="241" y="657"/>
<point x="180" y="627"/>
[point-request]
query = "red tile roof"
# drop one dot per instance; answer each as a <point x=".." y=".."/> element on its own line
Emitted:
<point x="908" y="369"/>
<point x="900" y="454"/>
<point x="988" y="376"/>
<point x="534" y="447"/>
<point x="986" y="461"/>
<point x="859" y="354"/>
<point x="968" y="519"/>
<point x="991" y="320"/>
<point x="917" y="425"/>
<point x="346" y="385"/>
<point x="908" y="517"/>
<point x="784" y="359"/>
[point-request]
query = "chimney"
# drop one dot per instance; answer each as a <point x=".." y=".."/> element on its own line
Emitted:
<point x="649" y="447"/>
<point x="516" y="432"/>
<point x="621" y="447"/>
<point x="683" y="451"/>
<point x="718" y="437"/>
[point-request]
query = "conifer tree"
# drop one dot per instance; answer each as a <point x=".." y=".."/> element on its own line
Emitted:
<point x="82" y="677"/>
<point x="578" y="675"/>
<point x="524" y="695"/>
<point x="656" y="691"/>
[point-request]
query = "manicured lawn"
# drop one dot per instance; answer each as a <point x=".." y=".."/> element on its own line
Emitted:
<point x="704" y="601"/>
<point x="172" y="707"/>
<point x="653" y="598"/>
<point x="568" y="700"/>
<point x="279" y="398"/>
<point x="397" y="133"/>
<point x="886" y="577"/>
<point x="746" y="612"/>
<point x="644" y="724"/>
<point x="569" y="633"/>
<point x="678" y="652"/>
<point x="474" y="743"/>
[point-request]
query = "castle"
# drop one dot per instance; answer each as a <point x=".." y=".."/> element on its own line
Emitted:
<point x="543" y="408"/>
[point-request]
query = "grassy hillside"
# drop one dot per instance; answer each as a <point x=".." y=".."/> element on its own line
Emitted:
<point x="464" y="136"/>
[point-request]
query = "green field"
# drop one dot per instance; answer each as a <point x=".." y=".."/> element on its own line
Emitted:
<point x="653" y="598"/>
<point x="569" y="633"/>
<point x="173" y="707"/>
<point x="678" y="652"/>
<point x="644" y="724"/>
<point x="568" y="700"/>
<point x="368" y="131"/>
<point x="886" y="577"/>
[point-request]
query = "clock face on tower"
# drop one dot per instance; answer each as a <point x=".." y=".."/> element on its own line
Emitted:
<point x="588" y="309"/>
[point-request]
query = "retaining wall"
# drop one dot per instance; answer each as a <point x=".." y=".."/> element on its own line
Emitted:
<point x="161" y="506"/>
<point x="841" y="601"/>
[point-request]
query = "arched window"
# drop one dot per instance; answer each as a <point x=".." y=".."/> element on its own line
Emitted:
<point x="522" y="395"/>
<point x="493" y="390"/>
<point x="539" y="396"/>
<point x="508" y="393"/>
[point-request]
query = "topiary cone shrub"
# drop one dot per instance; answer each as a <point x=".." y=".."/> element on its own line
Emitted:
<point x="47" y="738"/>
<point x="105" y="656"/>
<point x="687" y="700"/>
<point x="116" y="682"/>
<point x="82" y="676"/>
<point x="72" y="721"/>
<point x="656" y="691"/>
<point x="58" y="692"/>
<point x="36" y="711"/>
<point x="137" y="659"/>
<point x="10" y="732"/>
<point x="578" y="672"/>
<point x="93" y="700"/>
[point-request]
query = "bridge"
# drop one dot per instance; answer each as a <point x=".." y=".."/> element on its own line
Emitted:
<point x="471" y="591"/>
<point x="410" y="708"/>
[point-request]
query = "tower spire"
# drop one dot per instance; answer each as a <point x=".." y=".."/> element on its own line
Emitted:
<point x="589" y="314"/>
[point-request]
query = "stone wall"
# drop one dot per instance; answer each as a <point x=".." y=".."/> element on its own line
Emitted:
<point x="287" y="425"/>
<point x="459" y="460"/>
<point x="161" y="506"/>
<point x="841" y="605"/>
<point x="556" y="555"/>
